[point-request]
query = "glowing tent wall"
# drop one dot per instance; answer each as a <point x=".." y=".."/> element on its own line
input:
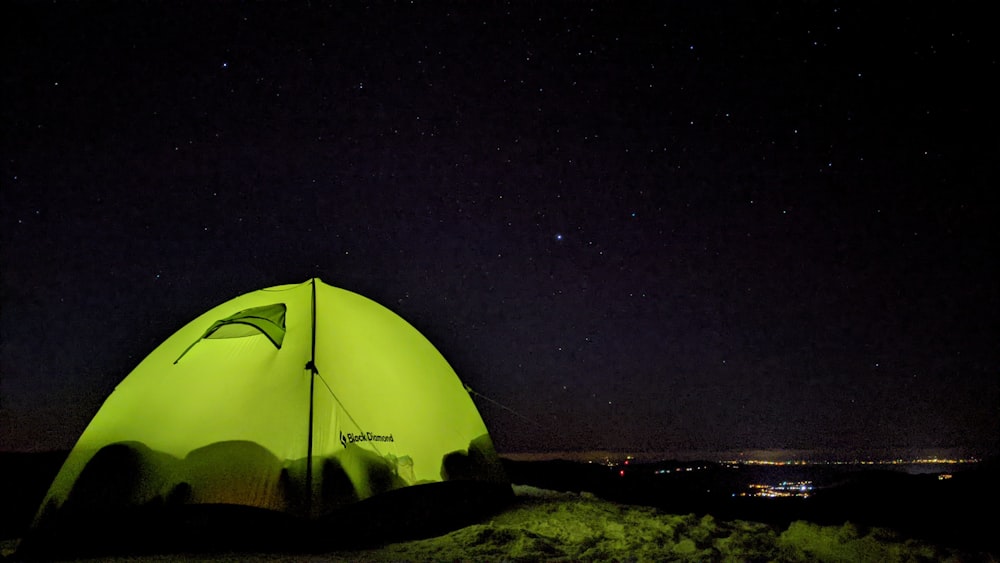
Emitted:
<point x="331" y="400"/>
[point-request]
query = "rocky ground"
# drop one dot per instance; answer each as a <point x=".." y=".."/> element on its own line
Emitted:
<point x="565" y="526"/>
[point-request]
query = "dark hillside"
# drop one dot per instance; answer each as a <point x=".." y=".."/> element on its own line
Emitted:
<point x="944" y="511"/>
<point x="924" y="507"/>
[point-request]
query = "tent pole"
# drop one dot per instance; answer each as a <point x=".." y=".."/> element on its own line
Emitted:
<point x="311" y="366"/>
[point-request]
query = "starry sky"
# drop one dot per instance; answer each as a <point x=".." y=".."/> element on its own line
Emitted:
<point x="637" y="226"/>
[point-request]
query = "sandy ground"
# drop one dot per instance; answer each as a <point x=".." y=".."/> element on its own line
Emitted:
<point x="554" y="526"/>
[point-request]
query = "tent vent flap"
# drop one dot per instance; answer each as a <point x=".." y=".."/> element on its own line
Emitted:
<point x="268" y="320"/>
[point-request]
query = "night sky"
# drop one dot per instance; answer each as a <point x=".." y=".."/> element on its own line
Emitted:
<point x="642" y="227"/>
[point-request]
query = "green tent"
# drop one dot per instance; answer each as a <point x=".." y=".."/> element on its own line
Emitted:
<point x="296" y="399"/>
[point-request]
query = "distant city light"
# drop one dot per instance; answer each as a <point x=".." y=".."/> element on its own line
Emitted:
<point x="898" y="461"/>
<point x="801" y="489"/>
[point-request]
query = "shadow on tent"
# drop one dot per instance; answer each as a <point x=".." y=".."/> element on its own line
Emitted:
<point x="102" y="516"/>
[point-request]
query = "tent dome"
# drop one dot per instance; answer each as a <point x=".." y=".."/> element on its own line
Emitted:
<point x="297" y="399"/>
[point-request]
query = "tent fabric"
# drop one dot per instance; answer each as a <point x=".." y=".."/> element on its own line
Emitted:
<point x="319" y="399"/>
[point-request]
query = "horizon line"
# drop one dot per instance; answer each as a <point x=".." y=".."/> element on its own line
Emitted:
<point x="758" y="455"/>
